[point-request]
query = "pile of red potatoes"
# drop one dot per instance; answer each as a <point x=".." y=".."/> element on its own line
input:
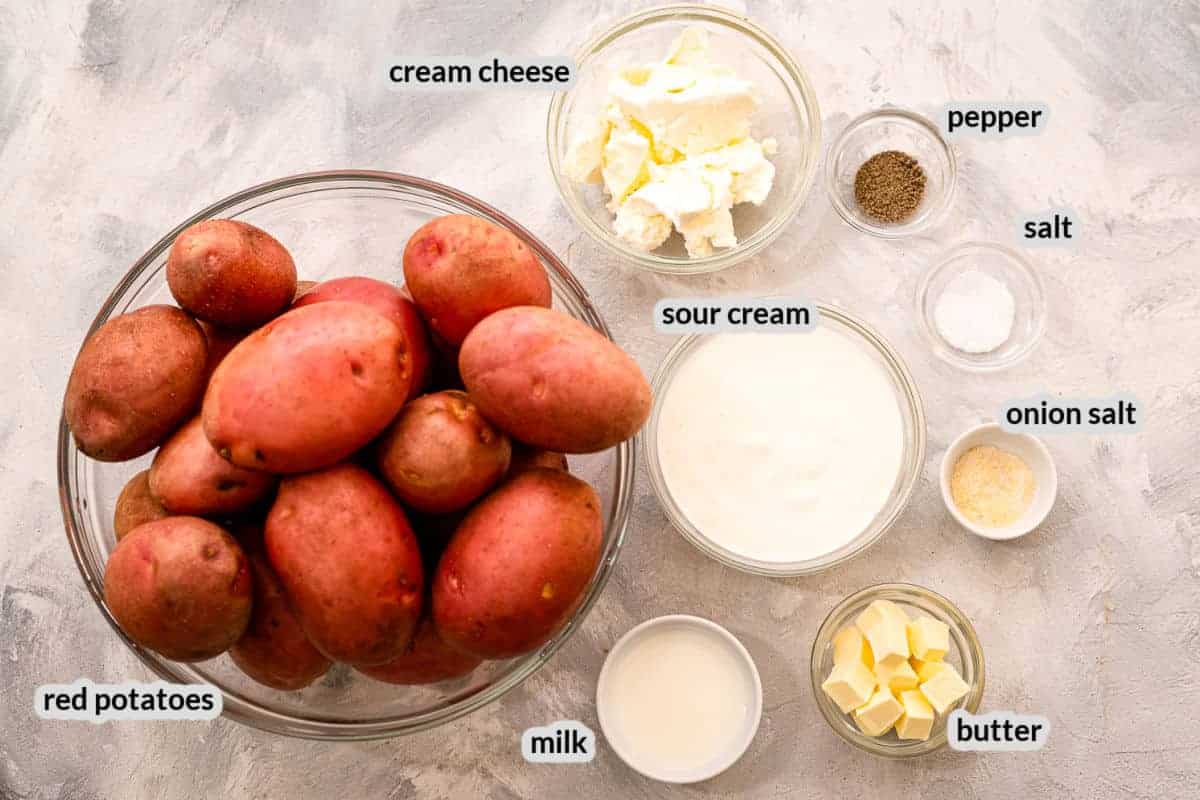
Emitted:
<point x="350" y="471"/>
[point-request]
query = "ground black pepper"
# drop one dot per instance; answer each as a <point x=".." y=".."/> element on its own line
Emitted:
<point x="889" y="186"/>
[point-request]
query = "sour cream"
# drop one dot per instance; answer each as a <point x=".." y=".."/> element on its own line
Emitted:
<point x="780" y="448"/>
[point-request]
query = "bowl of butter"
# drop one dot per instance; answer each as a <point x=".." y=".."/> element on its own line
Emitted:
<point x="889" y="665"/>
<point x="688" y="141"/>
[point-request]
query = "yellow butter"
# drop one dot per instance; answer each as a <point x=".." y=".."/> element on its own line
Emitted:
<point x="885" y="625"/>
<point x="849" y="685"/>
<point x="850" y="645"/>
<point x="944" y="688"/>
<point x="928" y="639"/>
<point x="879" y="714"/>
<point x="896" y="677"/>
<point x="927" y="669"/>
<point x="917" y="720"/>
<point x="878" y="611"/>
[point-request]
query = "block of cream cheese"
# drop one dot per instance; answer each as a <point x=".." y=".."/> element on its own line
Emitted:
<point x="944" y="689"/>
<point x="928" y="639"/>
<point x="917" y="720"/>
<point x="673" y="149"/>
<point x="897" y="677"/>
<point x="850" y="685"/>
<point x="886" y="627"/>
<point x="879" y="714"/>
<point x="850" y="645"/>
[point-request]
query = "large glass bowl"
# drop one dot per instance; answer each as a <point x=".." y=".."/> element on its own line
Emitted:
<point x="335" y="223"/>
<point x="788" y="112"/>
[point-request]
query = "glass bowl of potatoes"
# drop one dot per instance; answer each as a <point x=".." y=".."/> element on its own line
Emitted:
<point x="336" y="224"/>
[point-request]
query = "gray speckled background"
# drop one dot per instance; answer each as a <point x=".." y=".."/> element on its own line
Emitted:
<point x="117" y="121"/>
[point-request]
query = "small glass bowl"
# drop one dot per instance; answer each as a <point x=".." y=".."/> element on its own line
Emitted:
<point x="911" y="410"/>
<point x="788" y="113"/>
<point x="1005" y="265"/>
<point x="891" y="129"/>
<point x="966" y="654"/>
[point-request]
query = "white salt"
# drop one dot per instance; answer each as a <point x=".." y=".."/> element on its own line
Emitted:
<point x="975" y="312"/>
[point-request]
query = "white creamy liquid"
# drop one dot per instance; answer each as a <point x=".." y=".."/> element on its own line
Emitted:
<point x="780" y="447"/>
<point x="677" y="698"/>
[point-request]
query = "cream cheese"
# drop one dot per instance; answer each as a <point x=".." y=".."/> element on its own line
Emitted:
<point x="673" y="150"/>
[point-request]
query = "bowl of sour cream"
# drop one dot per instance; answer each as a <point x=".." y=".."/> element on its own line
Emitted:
<point x="785" y="453"/>
<point x="688" y="141"/>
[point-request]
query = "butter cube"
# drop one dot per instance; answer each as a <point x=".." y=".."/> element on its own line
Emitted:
<point x="879" y="610"/>
<point x="886" y="627"/>
<point x="944" y="689"/>
<point x="849" y="685"/>
<point x="927" y="669"/>
<point x="917" y="720"/>
<point x="896" y="677"/>
<point x="879" y="714"/>
<point x="928" y="638"/>
<point x="850" y="645"/>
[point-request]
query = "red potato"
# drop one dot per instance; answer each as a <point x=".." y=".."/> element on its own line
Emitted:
<point x="135" y="380"/>
<point x="274" y="650"/>
<point x="441" y="454"/>
<point x="525" y="458"/>
<point x="136" y="505"/>
<point x="307" y="389"/>
<point x="518" y="565"/>
<point x="427" y="659"/>
<point x="393" y="304"/>
<point x="220" y="342"/>
<point x="189" y="477"/>
<point x="180" y="586"/>
<point x="552" y="382"/>
<point x="230" y="273"/>
<point x="349" y="562"/>
<point x="460" y="268"/>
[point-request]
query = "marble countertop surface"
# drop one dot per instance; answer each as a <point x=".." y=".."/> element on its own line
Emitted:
<point x="117" y="120"/>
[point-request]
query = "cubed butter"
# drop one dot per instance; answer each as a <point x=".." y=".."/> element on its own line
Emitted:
<point x="896" y="677"/>
<point x="886" y="627"/>
<point x="870" y="616"/>
<point x="944" y="689"/>
<point x="850" y="645"/>
<point x="879" y="714"/>
<point x="917" y="720"/>
<point x="849" y="685"/>
<point x="927" y="669"/>
<point x="877" y="611"/>
<point x="928" y="638"/>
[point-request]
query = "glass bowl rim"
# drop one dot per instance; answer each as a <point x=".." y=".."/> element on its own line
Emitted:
<point x="251" y="712"/>
<point x="908" y="479"/>
<point x="834" y="717"/>
<point x="1028" y="275"/>
<point x="860" y="221"/>
<point x="803" y="98"/>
